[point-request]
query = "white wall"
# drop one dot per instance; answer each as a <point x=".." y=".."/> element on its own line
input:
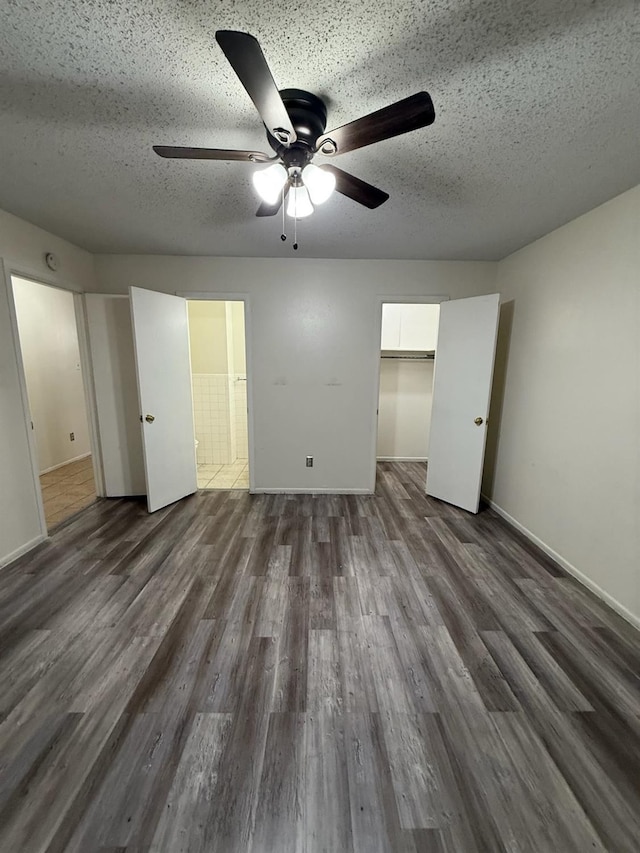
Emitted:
<point x="51" y="359"/>
<point x="313" y="334"/>
<point x="404" y="409"/>
<point x="208" y="336"/>
<point x="239" y="345"/>
<point x="566" y="462"/>
<point x="22" y="250"/>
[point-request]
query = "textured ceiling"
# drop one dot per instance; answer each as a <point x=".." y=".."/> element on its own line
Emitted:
<point x="537" y="120"/>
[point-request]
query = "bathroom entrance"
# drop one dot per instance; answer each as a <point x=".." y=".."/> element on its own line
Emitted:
<point x="219" y="384"/>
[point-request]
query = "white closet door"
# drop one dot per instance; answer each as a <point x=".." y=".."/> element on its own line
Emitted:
<point x="116" y="392"/>
<point x="461" y="391"/>
<point x="161" y="339"/>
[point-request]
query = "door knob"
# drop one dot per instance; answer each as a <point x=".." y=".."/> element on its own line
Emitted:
<point x="149" y="419"/>
<point x="477" y="422"/>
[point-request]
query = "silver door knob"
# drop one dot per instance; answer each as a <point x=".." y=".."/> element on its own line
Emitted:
<point x="478" y="422"/>
<point x="149" y="419"/>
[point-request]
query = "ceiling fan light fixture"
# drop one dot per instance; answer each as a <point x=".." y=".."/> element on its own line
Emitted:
<point x="319" y="183"/>
<point x="269" y="182"/>
<point x="299" y="204"/>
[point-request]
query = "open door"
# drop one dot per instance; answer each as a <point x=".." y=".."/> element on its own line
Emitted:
<point x="161" y="342"/>
<point x="461" y="391"/>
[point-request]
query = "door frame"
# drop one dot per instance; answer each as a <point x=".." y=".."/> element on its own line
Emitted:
<point x="86" y="369"/>
<point x="202" y="296"/>
<point x="386" y="299"/>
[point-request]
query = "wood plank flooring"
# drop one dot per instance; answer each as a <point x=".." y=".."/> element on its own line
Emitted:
<point x="311" y="673"/>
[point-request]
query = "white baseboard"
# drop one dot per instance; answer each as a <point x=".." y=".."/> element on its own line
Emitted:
<point x="566" y="565"/>
<point x="68" y="462"/>
<point x="23" y="549"/>
<point x="311" y="492"/>
<point x="401" y="459"/>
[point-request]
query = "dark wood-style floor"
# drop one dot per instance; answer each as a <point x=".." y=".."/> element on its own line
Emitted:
<point x="297" y="673"/>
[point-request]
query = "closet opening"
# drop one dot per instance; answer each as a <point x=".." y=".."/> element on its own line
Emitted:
<point x="407" y="357"/>
<point x="219" y="385"/>
<point x="50" y="350"/>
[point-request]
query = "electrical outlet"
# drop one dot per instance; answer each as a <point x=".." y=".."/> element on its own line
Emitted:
<point x="309" y="461"/>
<point x="72" y="436"/>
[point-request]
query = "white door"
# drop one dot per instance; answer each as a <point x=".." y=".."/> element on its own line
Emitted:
<point x="161" y="342"/>
<point x="461" y="391"/>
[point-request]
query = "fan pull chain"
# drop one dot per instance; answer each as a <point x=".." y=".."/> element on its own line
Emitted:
<point x="283" y="236"/>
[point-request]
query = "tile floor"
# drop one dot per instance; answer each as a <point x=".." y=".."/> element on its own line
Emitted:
<point x="233" y="476"/>
<point x="67" y="490"/>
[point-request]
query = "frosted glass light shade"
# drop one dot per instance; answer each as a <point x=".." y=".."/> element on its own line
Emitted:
<point x="319" y="183"/>
<point x="269" y="182"/>
<point x="299" y="204"/>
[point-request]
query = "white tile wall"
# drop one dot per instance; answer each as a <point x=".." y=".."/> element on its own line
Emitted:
<point x="221" y="428"/>
<point x="211" y="417"/>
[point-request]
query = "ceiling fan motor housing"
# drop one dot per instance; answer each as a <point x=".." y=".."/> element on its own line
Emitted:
<point x="308" y="116"/>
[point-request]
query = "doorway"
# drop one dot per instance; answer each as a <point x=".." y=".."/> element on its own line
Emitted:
<point x="461" y="388"/>
<point x="407" y="352"/>
<point x="219" y="385"/>
<point x="48" y="336"/>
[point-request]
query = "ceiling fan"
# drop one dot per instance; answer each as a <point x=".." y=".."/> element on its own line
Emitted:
<point x="295" y="121"/>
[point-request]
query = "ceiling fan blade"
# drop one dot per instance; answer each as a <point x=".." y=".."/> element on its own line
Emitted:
<point x="212" y="154"/>
<point x="247" y="60"/>
<point x="266" y="209"/>
<point x="354" y="188"/>
<point x="409" y="114"/>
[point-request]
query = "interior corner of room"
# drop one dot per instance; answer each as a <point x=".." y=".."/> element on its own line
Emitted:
<point x="562" y="461"/>
<point x="320" y="426"/>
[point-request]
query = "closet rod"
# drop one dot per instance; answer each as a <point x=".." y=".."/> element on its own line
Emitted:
<point x="426" y="357"/>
